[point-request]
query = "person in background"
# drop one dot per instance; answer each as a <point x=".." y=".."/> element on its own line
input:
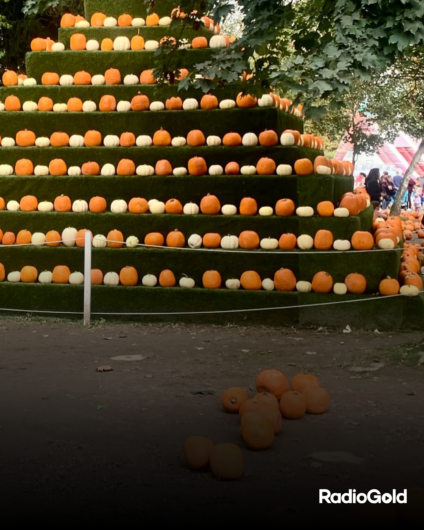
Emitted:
<point x="373" y="186"/>
<point x="411" y="186"/>
<point x="360" y="180"/>
<point x="417" y="199"/>
<point x="397" y="181"/>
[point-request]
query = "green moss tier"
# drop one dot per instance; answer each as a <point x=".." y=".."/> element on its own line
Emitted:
<point x="148" y="33"/>
<point x="376" y="312"/>
<point x="98" y="62"/>
<point x="374" y="266"/>
<point x="135" y="8"/>
<point x="304" y="191"/>
<point x="177" y="123"/>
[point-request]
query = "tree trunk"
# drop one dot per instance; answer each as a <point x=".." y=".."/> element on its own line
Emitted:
<point x="396" y="208"/>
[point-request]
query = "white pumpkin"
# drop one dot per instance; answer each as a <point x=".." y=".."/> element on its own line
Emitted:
<point x="180" y="171"/>
<point x="118" y="206"/>
<point x="66" y="80"/>
<point x="195" y="241"/>
<point x="80" y="206"/>
<point x="190" y="104"/>
<point x="14" y="277"/>
<point x="30" y="106"/>
<point x="266" y="211"/>
<point x="304" y="211"/>
<point x="38" y="238"/>
<point x="99" y="241"/>
<point x="230" y="242"/>
<point x="131" y="79"/>
<point x="179" y="141"/>
<point x="386" y="244"/>
<point x="216" y="170"/>
<point x="108" y="170"/>
<point x="187" y="283"/>
<point x="303" y="287"/>
<point x="30" y="81"/>
<point x="266" y="101"/>
<point x="213" y="141"/>
<point x="45" y="206"/>
<point x="8" y="142"/>
<point x="69" y="236"/>
<point x="60" y="107"/>
<point x="157" y="106"/>
<point x="287" y="139"/>
<point x="218" y="41"/>
<point x="121" y="44"/>
<point x="89" y="106"/>
<point x="165" y="21"/>
<point x="138" y="22"/>
<point x="156" y="207"/>
<point x="76" y="140"/>
<point x="45" y="277"/>
<point x="191" y="209"/>
<point x="58" y="47"/>
<point x="76" y="278"/>
<point x="6" y="170"/>
<point x="42" y="142"/>
<point x="248" y="170"/>
<point x="124" y="106"/>
<point x="339" y="288"/>
<point x="143" y="141"/>
<point x="41" y="171"/>
<point x="74" y="171"/>
<point x="233" y="284"/>
<point x="151" y="45"/>
<point x="341" y="244"/>
<point x="110" y="22"/>
<point x="229" y="209"/>
<point x="250" y="140"/>
<point x="111" y="140"/>
<point x="149" y="280"/>
<point x="111" y="278"/>
<point x="98" y="80"/>
<point x="305" y="242"/>
<point x="82" y="24"/>
<point x="13" y="206"/>
<point x="145" y="170"/>
<point x="227" y="104"/>
<point x="284" y="170"/>
<point x="268" y="284"/>
<point x="269" y="243"/>
<point x="409" y="290"/>
<point x="2" y="106"/>
<point x="132" y="242"/>
<point x="341" y="212"/>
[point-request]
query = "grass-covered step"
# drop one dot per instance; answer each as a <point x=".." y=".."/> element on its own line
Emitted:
<point x="177" y="156"/>
<point x="400" y="313"/>
<point x="140" y="225"/>
<point x="193" y="263"/>
<point x="148" y="33"/>
<point x="135" y="8"/>
<point x="177" y="123"/>
<point x="98" y="62"/>
<point x="304" y="191"/>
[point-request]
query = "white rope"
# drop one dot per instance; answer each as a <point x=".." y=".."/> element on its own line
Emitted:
<point x="43" y="312"/>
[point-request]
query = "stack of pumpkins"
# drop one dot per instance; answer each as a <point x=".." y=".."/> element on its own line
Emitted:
<point x="261" y="419"/>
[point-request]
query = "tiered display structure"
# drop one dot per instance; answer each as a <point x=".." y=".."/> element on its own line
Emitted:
<point x="230" y="189"/>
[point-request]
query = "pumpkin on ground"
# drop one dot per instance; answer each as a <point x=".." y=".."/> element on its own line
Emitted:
<point x="293" y="405"/>
<point x="272" y="381"/>
<point x="226" y="461"/>
<point x="317" y="399"/>
<point x="233" y="398"/>
<point x="258" y="433"/>
<point x="197" y="452"/>
<point x="301" y="382"/>
<point x="264" y="410"/>
<point x="268" y="399"/>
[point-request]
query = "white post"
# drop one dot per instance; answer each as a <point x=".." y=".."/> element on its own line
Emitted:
<point x="87" y="279"/>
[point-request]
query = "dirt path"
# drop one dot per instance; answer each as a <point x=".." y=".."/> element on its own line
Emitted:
<point x="75" y="441"/>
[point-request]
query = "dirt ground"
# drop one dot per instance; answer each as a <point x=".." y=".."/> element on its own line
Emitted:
<point x="74" y="441"/>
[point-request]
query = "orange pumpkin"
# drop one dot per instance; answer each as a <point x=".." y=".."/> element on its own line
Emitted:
<point x="128" y="276"/>
<point x="154" y="239"/>
<point x="127" y="139"/>
<point x="249" y="239"/>
<point x="50" y="78"/>
<point x="173" y="206"/>
<point x="246" y="101"/>
<point x="175" y="239"/>
<point x="303" y="167"/>
<point x="389" y="287"/>
<point x="269" y="412"/>
<point x="362" y="241"/>
<point x="60" y="139"/>
<point x="212" y="240"/>
<point x="115" y="239"/>
<point x="248" y="206"/>
<point x="38" y="45"/>
<point x="23" y="237"/>
<point x="285" y="280"/>
<point x="197" y="452"/>
<point x="53" y="238"/>
<point x="80" y="237"/>
<point x="197" y="166"/>
<point x="62" y="204"/>
<point x="78" y="42"/>
<point x="355" y="283"/>
<point x="96" y="277"/>
<point x="211" y="280"/>
<point x="45" y="104"/>
<point x="137" y="43"/>
<point x="125" y="21"/>
<point x="272" y="381"/>
<point x="174" y="103"/>
<point x="24" y="168"/>
<point x="167" y="279"/>
<point x="2" y="272"/>
<point x="152" y="20"/>
<point x="163" y="168"/>
<point x="107" y="104"/>
<point x="285" y="207"/>
<point x="126" y="168"/>
<point x="75" y="105"/>
<point x="82" y="78"/>
<point x="147" y="78"/>
<point x="287" y="242"/>
<point x="268" y="138"/>
<point x="317" y="400"/>
<point x="162" y="138"/>
<point x="67" y="21"/>
<point x="12" y="104"/>
<point x="412" y="278"/>
<point x="107" y="45"/>
<point x="10" y="78"/>
<point x="323" y="240"/>
<point x="113" y="77"/>
<point x="140" y="102"/>
<point x="196" y="138"/>
<point x="97" y="205"/>
<point x="209" y="102"/>
<point x="9" y="238"/>
<point x="199" y="42"/>
<point x="233" y="398"/>
<point x="268" y="399"/>
<point x="98" y="20"/>
<point x="61" y="274"/>
<point x="232" y="168"/>
<point x="258" y="434"/>
<point x="266" y="166"/>
<point x="29" y="203"/>
<point x="29" y="274"/>
<point x="322" y="282"/>
<point x="138" y="205"/>
<point x="293" y="405"/>
<point x="232" y="140"/>
<point x="325" y="209"/>
<point x="90" y="169"/>
<point x="251" y="281"/>
<point x="210" y="205"/>
<point x="25" y="138"/>
<point x="226" y="461"/>
<point x="301" y="382"/>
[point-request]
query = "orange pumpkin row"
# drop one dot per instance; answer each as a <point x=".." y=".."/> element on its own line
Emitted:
<point x="197" y="166"/>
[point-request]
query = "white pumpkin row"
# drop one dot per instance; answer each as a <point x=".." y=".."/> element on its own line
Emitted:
<point x="46" y="277"/>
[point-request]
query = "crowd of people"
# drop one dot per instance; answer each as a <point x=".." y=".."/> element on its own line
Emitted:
<point x="383" y="190"/>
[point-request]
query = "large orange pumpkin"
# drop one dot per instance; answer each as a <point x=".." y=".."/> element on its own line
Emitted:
<point x="322" y="282"/>
<point x="251" y="281"/>
<point x="355" y="283"/>
<point x="285" y="280"/>
<point x="128" y="276"/>
<point x="29" y="274"/>
<point x="61" y="274"/>
<point x="212" y="280"/>
<point x="272" y="381"/>
<point x="293" y="405"/>
<point x="323" y="240"/>
<point x="233" y="398"/>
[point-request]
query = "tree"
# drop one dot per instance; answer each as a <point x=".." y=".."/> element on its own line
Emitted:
<point x="22" y="20"/>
